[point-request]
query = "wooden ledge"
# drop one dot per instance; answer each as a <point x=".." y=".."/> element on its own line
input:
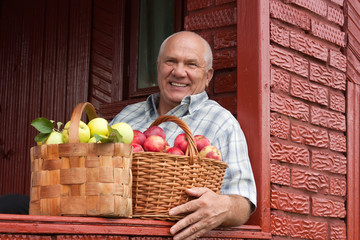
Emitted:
<point x="53" y="225"/>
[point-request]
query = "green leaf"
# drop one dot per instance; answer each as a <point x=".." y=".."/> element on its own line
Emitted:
<point x="41" y="137"/>
<point x="43" y="125"/>
<point x="103" y="139"/>
<point x="113" y="133"/>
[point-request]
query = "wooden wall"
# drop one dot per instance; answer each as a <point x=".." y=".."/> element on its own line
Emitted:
<point x="44" y="69"/>
<point x="308" y="119"/>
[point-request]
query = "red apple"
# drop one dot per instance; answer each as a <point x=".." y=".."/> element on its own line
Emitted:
<point x="174" y="150"/>
<point x="201" y="142"/>
<point x="139" y="137"/>
<point x="154" y="143"/>
<point x="155" y="130"/>
<point x="181" y="142"/>
<point x="137" y="147"/>
<point x="210" y="152"/>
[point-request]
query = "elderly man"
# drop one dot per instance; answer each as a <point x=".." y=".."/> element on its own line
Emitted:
<point x="184" y="67"/>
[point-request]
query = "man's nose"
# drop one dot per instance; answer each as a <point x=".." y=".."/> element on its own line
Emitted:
<point x="179" y="70"/>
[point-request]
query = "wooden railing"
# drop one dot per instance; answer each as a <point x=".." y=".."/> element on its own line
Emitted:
<point x="48" y="227"/>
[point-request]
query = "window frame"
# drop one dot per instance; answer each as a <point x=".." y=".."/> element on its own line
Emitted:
<point x="131" y="70"/>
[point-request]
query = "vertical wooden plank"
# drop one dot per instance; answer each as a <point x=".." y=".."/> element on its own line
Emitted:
<point x="118" y="52"/>
<point x="79" y="54"/>
<point x="10" y="160"/>
<point x="353" y="157"/>
<point x="253" y="93"/>
<point x="35" y="29"/>
<point x="49" y="61"/>
<point x="62" y="35"/>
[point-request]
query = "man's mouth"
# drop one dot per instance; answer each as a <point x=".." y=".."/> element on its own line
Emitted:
<point x="178" y="84"/>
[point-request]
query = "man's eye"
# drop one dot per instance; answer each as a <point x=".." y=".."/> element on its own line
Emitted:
<point x="192" y="64"/>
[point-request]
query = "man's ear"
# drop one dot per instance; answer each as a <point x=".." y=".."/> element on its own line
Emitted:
<point x="209" y="76"/>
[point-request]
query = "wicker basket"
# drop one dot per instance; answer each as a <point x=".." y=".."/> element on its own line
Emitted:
<point x="160" y="179"/>
<point x="81" y="179"/>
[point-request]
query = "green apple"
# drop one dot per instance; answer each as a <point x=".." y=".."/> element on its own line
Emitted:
<point x="98" y="126"/>
<point x="54" y="138"/>
<point x="125" y="130"/>
<point x="84" y="132"/>
<point x="92" y="140"/>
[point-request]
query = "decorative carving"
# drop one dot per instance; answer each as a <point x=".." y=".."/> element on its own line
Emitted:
<point x="328" y="208"/>
<point x="290" y="107"/>
<point x="289" y="61"/>
<point x="280" y="79"/>
<point x="312" y="92"/>
<point x="225" y="59"/>
<point x="290" y="202"/>
<point x="337" y="142"/>
<point x="198" y="4"/>
<point x="338" y="186"/>
<point x="325" y="161"/>
<point x="338" y="60"/>
<point x="309" y="135"/>
<point x="224" y="38"/>
<point x="289" y="14"/>
<point x="338" y="232"/>
<point x="328" y="119"/>
<point x="279" y="35"/>
<point x="317" y="6"/>
<point x="328" y="77"/>
<point x="311" y="181"/>
<point x="337" y="102"/>
<point x="218" y="17"/>
<point x="289" y="153"/>
<point x="298" y="228"/>
<point x="308" y="46"/>
<point x="327" y="32"/>
<point x="336" y="15"/>
<point x="279" y="126"/>
<point x="280" y="174"/>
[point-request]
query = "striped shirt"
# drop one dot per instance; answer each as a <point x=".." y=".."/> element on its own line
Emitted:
<point x="204" y="117"/>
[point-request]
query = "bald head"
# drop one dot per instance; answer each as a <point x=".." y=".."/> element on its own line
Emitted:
<point x="208" y="57"/>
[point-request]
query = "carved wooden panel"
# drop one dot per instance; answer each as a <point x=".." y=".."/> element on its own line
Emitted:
<point x="289" y="106"/>
<point x="328" y="161"/>
<point x="327" y="76"/>
<point x="290" y="202"/>
<point x="311" y="181"/>
<point x="289" y="153"/>
<point x="210" y="18"/>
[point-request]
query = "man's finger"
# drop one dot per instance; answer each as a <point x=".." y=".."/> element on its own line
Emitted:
<point x="196" y="191"/>
<point x="187" y="223"/>
<point x="184" y="208"/>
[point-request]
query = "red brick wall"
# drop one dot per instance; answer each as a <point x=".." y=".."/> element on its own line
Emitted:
<point x="308" y="121"/>
<point x="215" y="20"/>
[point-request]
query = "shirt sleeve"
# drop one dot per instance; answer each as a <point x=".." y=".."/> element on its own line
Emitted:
<point x="239" y="178"/>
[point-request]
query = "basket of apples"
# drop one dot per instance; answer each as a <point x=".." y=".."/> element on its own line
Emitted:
<point x="82" y="170"/>
<point x="162" y="173"/>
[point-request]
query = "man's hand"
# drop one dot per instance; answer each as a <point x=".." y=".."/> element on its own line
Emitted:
<point x="208" y="211"/>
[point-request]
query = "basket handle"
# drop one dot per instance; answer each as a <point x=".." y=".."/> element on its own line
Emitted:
<point x="75" y="119"/>
<point x="191" y="149"/>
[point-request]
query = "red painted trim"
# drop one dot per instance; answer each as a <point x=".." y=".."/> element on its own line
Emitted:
<point x="353" y="157"/>
<point x="253" y="91"/>
<point x="53" y="225"/>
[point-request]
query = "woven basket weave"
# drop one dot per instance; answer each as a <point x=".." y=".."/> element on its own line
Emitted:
<point x="160" y="179"/>
<point x="81" y="179"/>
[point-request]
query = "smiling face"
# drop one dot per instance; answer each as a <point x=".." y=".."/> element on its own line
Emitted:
<point x="182" y="69"/>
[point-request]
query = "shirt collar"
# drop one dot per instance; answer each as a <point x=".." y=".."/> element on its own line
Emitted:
<point x="188" y="105"/>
